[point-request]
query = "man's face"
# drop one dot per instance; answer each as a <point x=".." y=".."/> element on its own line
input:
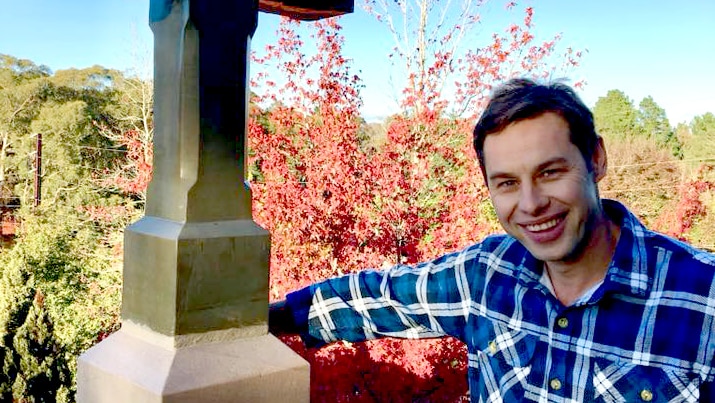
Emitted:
<point x="540" y="186"/>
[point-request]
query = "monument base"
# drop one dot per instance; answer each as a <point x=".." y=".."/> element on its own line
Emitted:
<point x="126" y="368"/>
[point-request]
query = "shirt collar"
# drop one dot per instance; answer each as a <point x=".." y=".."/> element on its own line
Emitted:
<point x="628" y="272"/>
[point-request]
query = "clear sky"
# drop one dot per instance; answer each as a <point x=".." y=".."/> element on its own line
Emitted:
<point x="665" y="49"/>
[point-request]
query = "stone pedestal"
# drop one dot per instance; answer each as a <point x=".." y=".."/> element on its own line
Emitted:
<point x="195" y="296"/>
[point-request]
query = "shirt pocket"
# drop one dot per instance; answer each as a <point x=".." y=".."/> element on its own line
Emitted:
<point x="626" y="382"/>
<point x="507" y="348"/>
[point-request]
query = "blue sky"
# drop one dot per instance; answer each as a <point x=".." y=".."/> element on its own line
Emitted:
<point x="665" y="49"/>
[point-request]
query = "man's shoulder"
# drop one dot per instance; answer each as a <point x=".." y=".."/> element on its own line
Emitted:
<point x="679" y="252"/>
<point x="646" y="259"/>
<point x="645" y="240"/>
<point x="680" y="268"/>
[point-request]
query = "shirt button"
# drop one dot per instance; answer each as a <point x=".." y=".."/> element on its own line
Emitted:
<point x="562" y="322"/>
<point x="556" y="384"/>
<point x="646" y="395"/>
<point x="493" y="347"/>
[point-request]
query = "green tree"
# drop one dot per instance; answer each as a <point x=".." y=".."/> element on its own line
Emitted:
<point x="615" y="117"/>
<point x="15" y="303"/>
<point x="654" y="125"/>
<point x="703" y="125"/>
<point x="69" y="108"/>
<point x="60" y="282"/>
<point x="42" y="371"/>
<point x="699" y="145"/>
<point x="22" y="84"/>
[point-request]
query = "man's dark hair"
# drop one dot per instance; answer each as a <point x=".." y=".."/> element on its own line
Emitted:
<point x="521" y="98"/>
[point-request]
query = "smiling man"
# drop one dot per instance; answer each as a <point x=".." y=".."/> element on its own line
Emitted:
<point x="577" y="302"/>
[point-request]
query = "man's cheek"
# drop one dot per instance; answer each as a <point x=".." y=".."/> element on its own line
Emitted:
<point x="502" y="209"/>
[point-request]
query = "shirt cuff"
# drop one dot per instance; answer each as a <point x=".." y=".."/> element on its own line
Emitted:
<point x="299" y="303"/>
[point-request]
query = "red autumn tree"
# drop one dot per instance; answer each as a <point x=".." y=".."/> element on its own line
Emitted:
<point x="133" y="133"/>
<point x="681" y="215"/>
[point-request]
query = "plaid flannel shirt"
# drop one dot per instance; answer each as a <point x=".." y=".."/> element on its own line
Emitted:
<point x="646" y="334"/>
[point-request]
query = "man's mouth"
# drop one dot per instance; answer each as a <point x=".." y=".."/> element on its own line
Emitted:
<point x="543" y="226"/>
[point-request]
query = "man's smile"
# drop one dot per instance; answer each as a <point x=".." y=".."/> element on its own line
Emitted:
<point x="542" y="226"/>
<point x="547" y="230"/>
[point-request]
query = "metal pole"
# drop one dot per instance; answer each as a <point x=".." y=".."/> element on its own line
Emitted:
<point x="38" y="170"/>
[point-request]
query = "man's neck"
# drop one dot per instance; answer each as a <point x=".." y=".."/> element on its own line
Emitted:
<point x="570" y="280"/>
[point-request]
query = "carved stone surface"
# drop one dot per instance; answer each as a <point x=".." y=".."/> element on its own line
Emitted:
<point x="197" y="262"/>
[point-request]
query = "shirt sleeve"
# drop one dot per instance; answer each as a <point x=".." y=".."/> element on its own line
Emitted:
<point x="431" y="299"/>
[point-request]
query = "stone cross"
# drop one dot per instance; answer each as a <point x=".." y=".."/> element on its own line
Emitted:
<point x="195" y="295"/>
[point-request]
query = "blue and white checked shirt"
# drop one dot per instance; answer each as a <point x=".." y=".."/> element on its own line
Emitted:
<point x="646" y="334"/>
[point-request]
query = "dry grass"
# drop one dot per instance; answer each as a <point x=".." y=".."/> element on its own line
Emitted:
<point x="642" y="175"/>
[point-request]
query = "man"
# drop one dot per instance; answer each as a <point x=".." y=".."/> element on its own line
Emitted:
<point x="577" y="303"/>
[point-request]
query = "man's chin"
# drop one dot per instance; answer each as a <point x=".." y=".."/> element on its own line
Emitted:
<point x="547" y="253"/>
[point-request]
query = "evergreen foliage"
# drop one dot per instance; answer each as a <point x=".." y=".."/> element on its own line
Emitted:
<point x="617" y="119"/>
<point x="700" y="142"/>
<point x="654" y="124"/>
<point x="615" y="116"/>
<point x="60" y="295"/>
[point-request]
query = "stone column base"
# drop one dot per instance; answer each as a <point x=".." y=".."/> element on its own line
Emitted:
<point x="126" y="368"/>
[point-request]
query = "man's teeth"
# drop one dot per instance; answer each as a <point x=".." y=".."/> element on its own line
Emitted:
<point x="543" y="226"/>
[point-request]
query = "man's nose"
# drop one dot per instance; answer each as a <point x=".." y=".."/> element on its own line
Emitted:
<point x="532" y="199"/>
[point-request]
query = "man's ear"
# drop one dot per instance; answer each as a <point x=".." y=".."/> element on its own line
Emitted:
<point x="599" y="161"/>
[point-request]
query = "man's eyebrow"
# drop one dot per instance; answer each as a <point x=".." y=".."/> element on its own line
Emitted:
<point x="540" y="167"/>
<point x="552" y="161"/>
<point x="498" y="175"/>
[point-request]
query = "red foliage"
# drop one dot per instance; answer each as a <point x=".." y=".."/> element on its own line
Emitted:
<point x="130" y="176"/>
<point x="688" y="207"/>
<point x="514" y="53"/>
<point x="387" y="370"/>
<point x="136" y="173"/>
<point x="332" y="208"/>
<point x="133" y="175"/>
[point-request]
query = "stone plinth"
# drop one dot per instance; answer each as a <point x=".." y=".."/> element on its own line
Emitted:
<point x="127" y="367"/>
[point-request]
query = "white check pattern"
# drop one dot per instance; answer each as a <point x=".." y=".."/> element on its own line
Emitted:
<point x="647" y="333"/>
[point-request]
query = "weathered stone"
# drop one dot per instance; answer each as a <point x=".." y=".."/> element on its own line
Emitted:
<point x="184" y="278"/>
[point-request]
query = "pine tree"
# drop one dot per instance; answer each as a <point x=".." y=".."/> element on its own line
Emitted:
<point x="58" y="296"/>
<point x="615" y="116"/>
<point x="42" y="373"/>
<point x="654" y="125"/>
<point x="15" y="304"/>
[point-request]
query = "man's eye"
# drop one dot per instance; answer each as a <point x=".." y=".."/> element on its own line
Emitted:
<point x="550" y="173"/>
<point x="506" y="184"/>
